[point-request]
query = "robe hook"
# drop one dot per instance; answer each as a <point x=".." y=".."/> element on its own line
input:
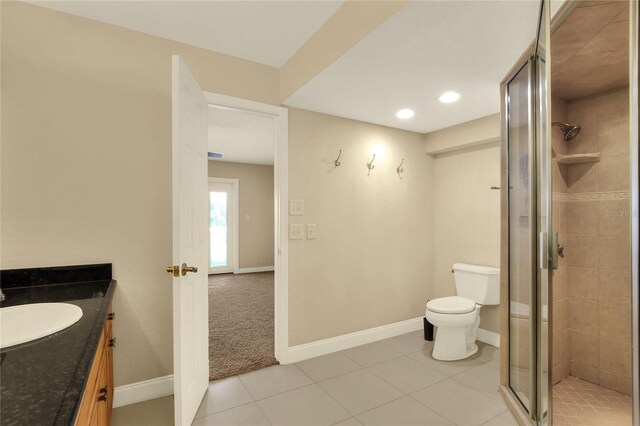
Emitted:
<point x="337" y="162"/>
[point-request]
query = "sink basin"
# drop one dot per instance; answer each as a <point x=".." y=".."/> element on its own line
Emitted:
<point x="24" y="323"/>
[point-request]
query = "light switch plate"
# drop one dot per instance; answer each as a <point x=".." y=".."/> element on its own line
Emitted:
<point x="296" y="207"/>
<point x="296" y="231"/>
<point x="311" y="231"/>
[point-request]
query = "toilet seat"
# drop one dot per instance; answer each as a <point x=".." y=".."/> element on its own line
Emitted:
<point x="451" y="305"/>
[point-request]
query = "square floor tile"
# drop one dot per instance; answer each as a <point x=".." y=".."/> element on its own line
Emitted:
<point x="448" y="368"/>
<point x="349" y="422"/>
<point x="485" y="378"/>
<point x="327" y="366"/>
<point x="372" y="353"/>
<point x="504" y="419"/>
<point x="406" y="374"/>
<point x="155" y="412"/>
<point x="460" y="404"/>
<point x="360" y="391"/>
<point x="274" y="380"/>
<point x="222" y="395"/>
<point x="245" y="415"/>
<point x="408" y="343"/>
<point x="404" y="411"/>
<point x="495" y="362"/>
<point x="309" y="405"/>
<point x="486" y="353"/>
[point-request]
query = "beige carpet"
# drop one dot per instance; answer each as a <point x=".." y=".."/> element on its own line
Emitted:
<point x="240" y="323"/>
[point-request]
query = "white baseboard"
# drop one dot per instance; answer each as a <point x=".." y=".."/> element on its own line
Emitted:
<point x="346" y="341"/>
<point x="488" y="337"/>
<point x="143" y="391"/>
<point x="253" y="270"/>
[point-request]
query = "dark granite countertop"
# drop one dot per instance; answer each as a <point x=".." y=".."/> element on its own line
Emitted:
<point x="41" y="382"/>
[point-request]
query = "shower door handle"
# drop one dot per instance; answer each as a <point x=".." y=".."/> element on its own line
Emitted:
<point x="548" y="251"/>
<point x="556" y="249"/>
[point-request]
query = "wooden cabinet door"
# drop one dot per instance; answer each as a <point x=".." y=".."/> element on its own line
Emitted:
<point x="97" y="400"/>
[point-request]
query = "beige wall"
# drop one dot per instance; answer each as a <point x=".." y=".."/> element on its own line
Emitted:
<point x="256" y="235"/>
<point x="372" y="262"/>
<point x="86" y="160"/>
<point x="481" y="131"/>
<point x="86" y="177"/>
<point x="467" y="218"/>
<point x="594" y="219"/>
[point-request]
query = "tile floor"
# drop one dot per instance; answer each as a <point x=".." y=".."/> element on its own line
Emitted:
<point x="578" y="402"/>
<point x="391" y="382"/>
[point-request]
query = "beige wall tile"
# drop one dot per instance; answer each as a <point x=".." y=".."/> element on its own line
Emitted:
<point x="613" y="136"/>
<point x="580" y="250"/>
<point x="586" y="372"/>
<point x="583" y="316"/>
<point x="613" y="173"/>
<point x="614" y="217"/>
<point x="559" y="176"/>
<point x="581" y="217"/>
<point x="560" y="285"/>
<point x="559" y="216"/>
<point x="558" y="113"/>
<point x="583" y="283"/>
<point x="615" y="252"/>
<point x="583" y="348"/>
<point x="561" y="315"/>
<point x="615" y="357"/>
<point x="561" y="348"/>
<point x="614" y="321"/>
<point x="559" y="372"/>
<point x="614" y="287"/>
<point x="582" y="178"/>
<point x="618" y="383"/>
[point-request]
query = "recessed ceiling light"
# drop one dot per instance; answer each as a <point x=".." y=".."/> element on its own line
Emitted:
<point x="449" y="97"/>
<point x="405" y="114"/>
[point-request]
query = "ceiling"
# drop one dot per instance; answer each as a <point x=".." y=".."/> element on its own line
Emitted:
<point x="241" y="136"/>
<point x="425" y="49"/>
<point x="590" y="50"/>
<point x="268" y="32"/>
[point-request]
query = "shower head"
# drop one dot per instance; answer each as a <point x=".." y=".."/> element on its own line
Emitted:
<point x="569" y="131"/>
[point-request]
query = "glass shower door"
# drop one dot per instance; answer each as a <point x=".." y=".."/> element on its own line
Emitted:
<point x="530" y="239"/>
<point x="521" y="224"/>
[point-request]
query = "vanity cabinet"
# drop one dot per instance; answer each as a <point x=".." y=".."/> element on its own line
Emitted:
<point x="97" y="399"/>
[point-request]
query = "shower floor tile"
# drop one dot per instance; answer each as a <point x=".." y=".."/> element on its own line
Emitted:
<point x="578" y="402"/>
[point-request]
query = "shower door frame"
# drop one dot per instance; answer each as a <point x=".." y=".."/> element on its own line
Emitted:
<point x="543" y="253"/>
<point x="634" y="104"/>
<point x="514" y="403"/>
<point x="634" y="124"/>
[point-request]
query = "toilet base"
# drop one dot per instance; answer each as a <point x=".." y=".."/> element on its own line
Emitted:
<point x="455" y="335"/>
<point x="451" y="345"/>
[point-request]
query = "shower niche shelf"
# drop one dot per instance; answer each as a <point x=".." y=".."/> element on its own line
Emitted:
<point x="590" y="157"/>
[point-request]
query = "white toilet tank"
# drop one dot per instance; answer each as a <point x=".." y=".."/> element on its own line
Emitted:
<point x="478" y="283"/>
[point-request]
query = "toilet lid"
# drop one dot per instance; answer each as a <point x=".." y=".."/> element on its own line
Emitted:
<point x="451" y="305"/>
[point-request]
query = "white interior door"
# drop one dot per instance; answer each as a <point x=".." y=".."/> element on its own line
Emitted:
<point x="190" y="301"/>
<point x="222" y="225"/>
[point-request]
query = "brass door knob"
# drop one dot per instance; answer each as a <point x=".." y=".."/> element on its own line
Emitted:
<point x="186" y="269"/>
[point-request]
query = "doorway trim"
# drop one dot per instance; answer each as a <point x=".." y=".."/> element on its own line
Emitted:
<point x="236" y="218"/>
<point x="281" y="197"/>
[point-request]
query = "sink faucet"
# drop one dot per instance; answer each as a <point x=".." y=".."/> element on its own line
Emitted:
<point x="1" y="295"/>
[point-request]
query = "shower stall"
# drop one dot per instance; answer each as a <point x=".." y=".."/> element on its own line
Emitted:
<point x="569" y="333"/>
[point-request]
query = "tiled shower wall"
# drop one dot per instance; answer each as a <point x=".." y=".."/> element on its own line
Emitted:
<point x="592" y="286"/>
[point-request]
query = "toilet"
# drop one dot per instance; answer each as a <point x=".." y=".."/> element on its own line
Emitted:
<point x="457" y="317"/>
